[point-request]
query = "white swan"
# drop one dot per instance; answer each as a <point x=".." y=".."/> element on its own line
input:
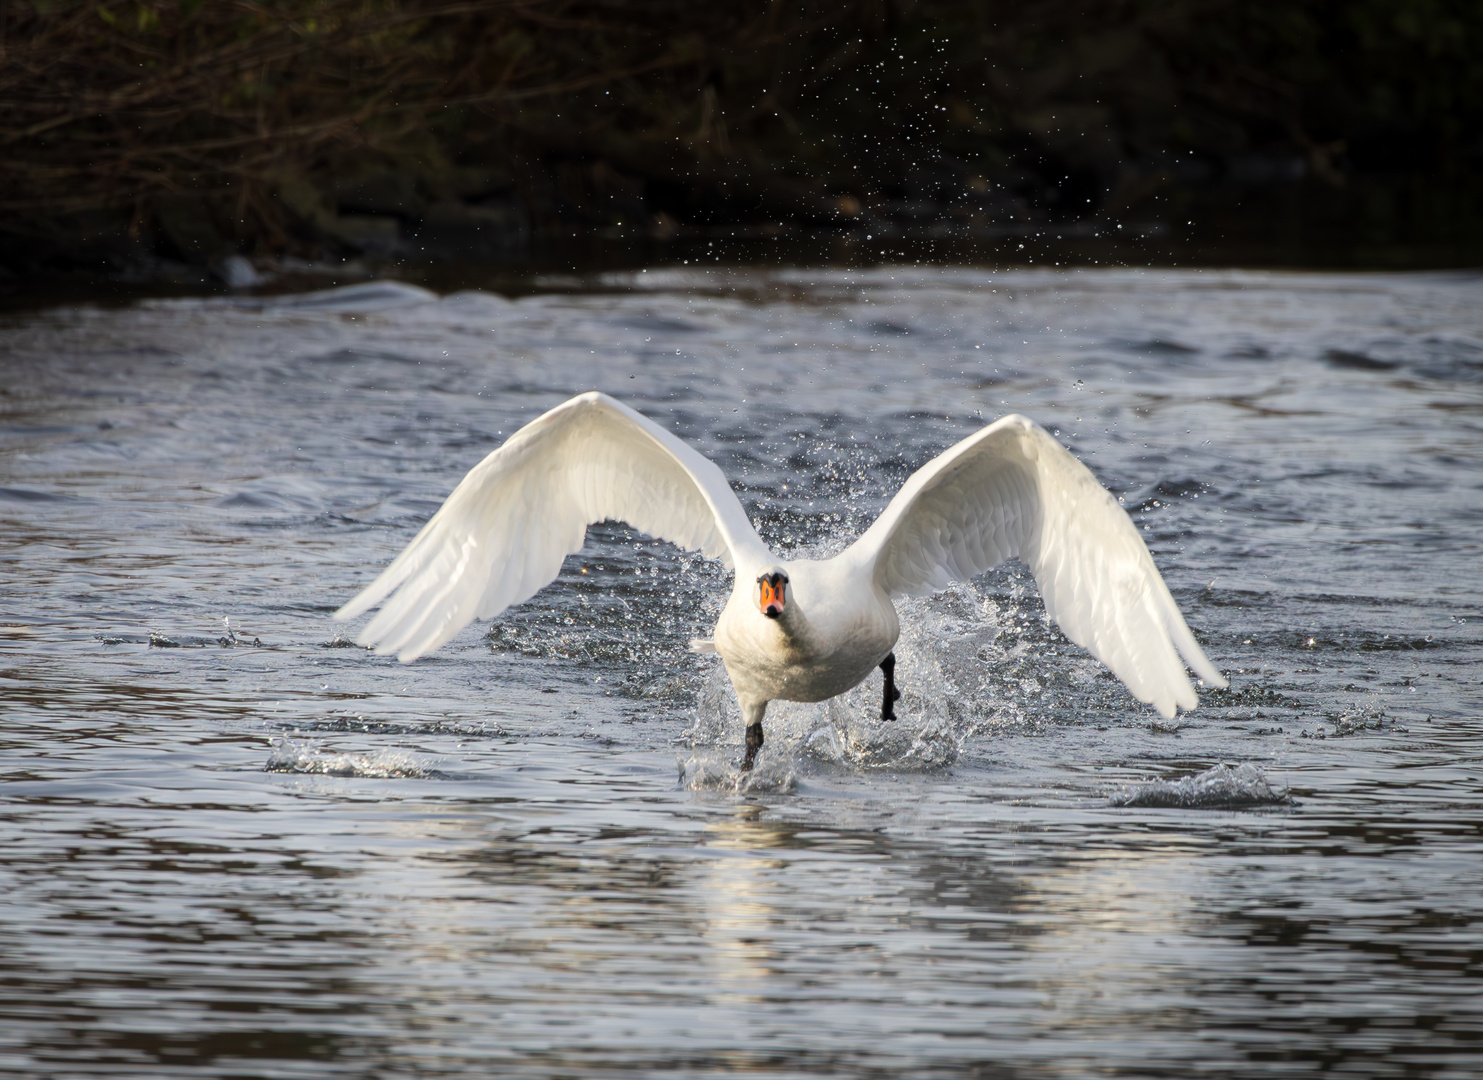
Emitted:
<point x="803" y="630"/>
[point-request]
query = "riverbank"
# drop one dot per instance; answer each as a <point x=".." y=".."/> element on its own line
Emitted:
<point x="1271" y="231"/>
<point x="168" y="144"/>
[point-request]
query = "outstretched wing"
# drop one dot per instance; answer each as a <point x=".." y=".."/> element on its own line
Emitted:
<point x="1011" y="490"/>
<point x="506" y="528"/>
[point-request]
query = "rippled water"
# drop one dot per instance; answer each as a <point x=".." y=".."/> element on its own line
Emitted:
<point x="231" y="846"/>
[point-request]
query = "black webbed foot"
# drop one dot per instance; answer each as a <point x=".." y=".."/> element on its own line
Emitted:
<point x="754" y="743"/>
<point x="889" y="694"/>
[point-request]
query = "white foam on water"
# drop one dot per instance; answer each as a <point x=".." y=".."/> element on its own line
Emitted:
<point x="720" y="770"/>
<point x="1222" y="787"/>
<point x="362" y="296"/>
<point x="292" y="756"/>
<point x="1367" y="715"/>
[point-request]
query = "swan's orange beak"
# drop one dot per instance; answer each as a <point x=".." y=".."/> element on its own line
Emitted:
<point x="771" y="598"/>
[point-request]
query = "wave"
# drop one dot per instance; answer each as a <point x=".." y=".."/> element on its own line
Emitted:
<point x="289" y="756"/>
<point x="1220" y="788"/>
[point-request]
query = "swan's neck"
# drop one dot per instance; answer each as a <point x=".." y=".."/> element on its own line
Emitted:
<point x="793" y="623"/>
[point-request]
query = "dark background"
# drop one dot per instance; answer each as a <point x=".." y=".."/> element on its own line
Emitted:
<point x="149" y="141"/>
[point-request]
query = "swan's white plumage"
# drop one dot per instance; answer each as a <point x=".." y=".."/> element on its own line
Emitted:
<point x="506" y="528"/>
<point x="1008" y="490"/>
<point x="1012" y="490"/>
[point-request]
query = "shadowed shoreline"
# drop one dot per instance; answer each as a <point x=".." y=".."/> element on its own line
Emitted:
<point x="183" y="145"/>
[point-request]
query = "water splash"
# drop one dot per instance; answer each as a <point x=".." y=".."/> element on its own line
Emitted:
<point x="1368" y="715"/>
<point x="721" y="771"/>
<point x="1219" y="788"/>
<point x="978" y="658"/>
<point x="291" y="756"/>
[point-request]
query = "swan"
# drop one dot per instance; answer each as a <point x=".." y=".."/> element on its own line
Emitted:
<point x="800" y="629"/>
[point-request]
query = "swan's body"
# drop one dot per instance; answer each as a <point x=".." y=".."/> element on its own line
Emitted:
<point x="835" y="628"/>
<point x="805" y="630"/>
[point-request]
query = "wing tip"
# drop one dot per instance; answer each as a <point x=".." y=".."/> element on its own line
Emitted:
<point x="1200" y="664"/>
<point x="388" y="648"/>
<point x="1187" y="697"/>
<point x="351" y="608"/>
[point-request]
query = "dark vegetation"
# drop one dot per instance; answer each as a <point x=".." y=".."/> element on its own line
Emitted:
<point x="189" y="130"/>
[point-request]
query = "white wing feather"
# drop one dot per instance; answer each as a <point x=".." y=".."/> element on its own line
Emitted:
<point x="503" y="533"/>
<point x="1012" y="490"/>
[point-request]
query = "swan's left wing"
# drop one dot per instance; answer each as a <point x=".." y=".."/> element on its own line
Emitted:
<point x="506" y="528"/>
<point x="1012" y="490"/>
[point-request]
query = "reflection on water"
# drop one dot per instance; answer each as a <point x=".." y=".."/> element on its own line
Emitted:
<point x="742" y="920"/>
<point x="234" y="847"/>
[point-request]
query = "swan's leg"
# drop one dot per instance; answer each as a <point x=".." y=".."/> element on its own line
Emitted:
<point x="890" y="695"/>
<point x="752" y="714"/>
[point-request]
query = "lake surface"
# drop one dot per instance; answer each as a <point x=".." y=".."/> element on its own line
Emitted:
<point x="232" y="846"/>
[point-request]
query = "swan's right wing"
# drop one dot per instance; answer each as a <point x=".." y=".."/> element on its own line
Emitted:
<point x="503" y="533"/>
<point x="1012" y="490"/>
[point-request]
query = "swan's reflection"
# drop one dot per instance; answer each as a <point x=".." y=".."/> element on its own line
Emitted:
<point x="741" y="914"/>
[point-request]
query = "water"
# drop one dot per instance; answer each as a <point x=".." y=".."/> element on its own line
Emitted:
<point x="230" y="846"/>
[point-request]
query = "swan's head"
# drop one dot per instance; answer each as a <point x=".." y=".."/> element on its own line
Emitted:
<point x="771" y="592"/>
